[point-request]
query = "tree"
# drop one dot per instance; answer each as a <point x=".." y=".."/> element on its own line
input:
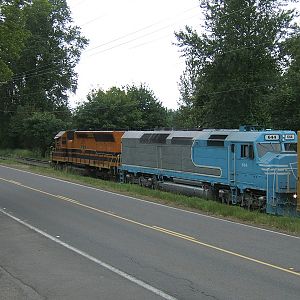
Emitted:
<point x="285" y="112"/>
<point x="44" y="71"/>
<point x="111" y="109"/>
<point x="12" y="36"/>
<point x="40" y="129"/>
<point x="234" y="67"/>
<point x="36" y="130"/>
<point x="127" y="108"/>
<point x="153" y="114"/>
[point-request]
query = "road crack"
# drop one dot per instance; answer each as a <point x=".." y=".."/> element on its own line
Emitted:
<point x="187" y="282"/>
<point x="27" y="288"/>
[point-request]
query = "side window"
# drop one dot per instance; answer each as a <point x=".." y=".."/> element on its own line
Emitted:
<point x="244" y="151"/>
<point x="251" y="152"/>
<point x="247" y="151"/>
<point x="70" y="135"/>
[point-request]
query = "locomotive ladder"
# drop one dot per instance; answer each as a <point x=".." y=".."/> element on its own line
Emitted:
<point x="234" y="195"/>
<point x="231" y="166"/>
<point x="231" y="174"/>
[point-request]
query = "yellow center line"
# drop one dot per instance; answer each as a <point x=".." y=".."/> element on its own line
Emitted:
<point x="159" y="229"/>
<point x="174" y="233"/>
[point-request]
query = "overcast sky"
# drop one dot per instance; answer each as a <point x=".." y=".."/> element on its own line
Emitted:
<point x="132" y="42"/>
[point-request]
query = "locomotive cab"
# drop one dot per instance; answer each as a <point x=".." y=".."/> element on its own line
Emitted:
<point x="60" y="140"/>
<point x="253" y="168"/>
<point x="268" y="164"/>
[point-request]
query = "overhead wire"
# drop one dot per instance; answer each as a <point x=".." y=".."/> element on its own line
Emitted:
<point x="36" y="74"/>
<point x="240" y="89"/>
<point x="91" y="21"/>
<point x="52" y="69"/>
<point x="43" y="71"/>
<point x="139" y="30"/>
<point x="22" y="74"/>
<point x="202" y="94"/>
<point x="154" y="24"/>
<point x="131" y="40"/>
<point x="250" y="87"/>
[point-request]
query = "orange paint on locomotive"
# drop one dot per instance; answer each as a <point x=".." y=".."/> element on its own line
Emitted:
<point x="96" y="149"/>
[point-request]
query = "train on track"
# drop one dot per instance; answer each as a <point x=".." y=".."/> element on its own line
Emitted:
<point x="252" y="168"/>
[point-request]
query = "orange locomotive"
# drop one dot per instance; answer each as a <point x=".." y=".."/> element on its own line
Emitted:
<point x="98" y="150"/>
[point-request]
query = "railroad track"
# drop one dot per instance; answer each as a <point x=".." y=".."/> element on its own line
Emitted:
<point x="30" y="161"/>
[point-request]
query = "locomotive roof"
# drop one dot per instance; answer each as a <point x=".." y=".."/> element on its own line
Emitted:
<point x="59" y="134"/>
<point x="97" y="131"/>
<point x="172" y="133"/>
<point x="233" y="135"/>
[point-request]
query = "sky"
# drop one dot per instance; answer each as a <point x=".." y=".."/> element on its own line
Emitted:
<point x="132" y="42"/>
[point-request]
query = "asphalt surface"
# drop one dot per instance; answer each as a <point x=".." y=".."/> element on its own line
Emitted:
<point x="33" y="267"/>
<point x="180" y="254"/>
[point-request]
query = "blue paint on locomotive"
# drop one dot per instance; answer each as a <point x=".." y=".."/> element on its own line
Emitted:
<point x="257" y="164"/>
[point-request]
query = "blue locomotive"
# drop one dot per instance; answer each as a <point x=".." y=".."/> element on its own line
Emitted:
<point x="252" y="168"/>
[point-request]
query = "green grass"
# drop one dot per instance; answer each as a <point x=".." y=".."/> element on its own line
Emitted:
<point x="234" y="213"/>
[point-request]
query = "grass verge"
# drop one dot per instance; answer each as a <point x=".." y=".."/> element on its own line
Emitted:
<point x="234" y="213"/>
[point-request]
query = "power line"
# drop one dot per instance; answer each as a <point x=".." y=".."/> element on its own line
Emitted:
<point x="204" y="94"/>
<point x="149" y="42"/>
<point x="37" y="74"/>
<point x="154" y="40"/>
<point x="90" y="21"/>
<point x="239" y="89"/>
<point x="139" y="30"/>
<point x="134" y="39"/>
<point x="43" y="70"/>
<point x="24" y="73"/>
<point x="150" y="33"/>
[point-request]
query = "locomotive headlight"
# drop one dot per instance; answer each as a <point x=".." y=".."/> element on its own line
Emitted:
<point x="295" y="196"/>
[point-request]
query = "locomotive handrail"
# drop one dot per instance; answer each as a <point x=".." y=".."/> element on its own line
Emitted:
<point x="273" y="189"/>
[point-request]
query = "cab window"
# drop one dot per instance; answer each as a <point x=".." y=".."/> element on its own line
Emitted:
<point x="247" y="151"/>
<point x="263" y="148"/>
<point x="290" y="147"/>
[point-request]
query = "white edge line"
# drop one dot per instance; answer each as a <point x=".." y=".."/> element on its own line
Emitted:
<point x="158" y="204"/>
<point x="93" y="259"/>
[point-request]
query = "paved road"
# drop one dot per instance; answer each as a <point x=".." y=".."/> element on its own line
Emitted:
<point x="129" y="248"/>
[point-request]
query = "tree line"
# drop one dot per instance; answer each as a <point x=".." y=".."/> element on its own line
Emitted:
<point x="244" y="68"/>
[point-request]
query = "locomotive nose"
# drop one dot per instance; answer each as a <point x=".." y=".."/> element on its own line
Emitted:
<point x="285" y="161"/>
<point x="284" y="168"/>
